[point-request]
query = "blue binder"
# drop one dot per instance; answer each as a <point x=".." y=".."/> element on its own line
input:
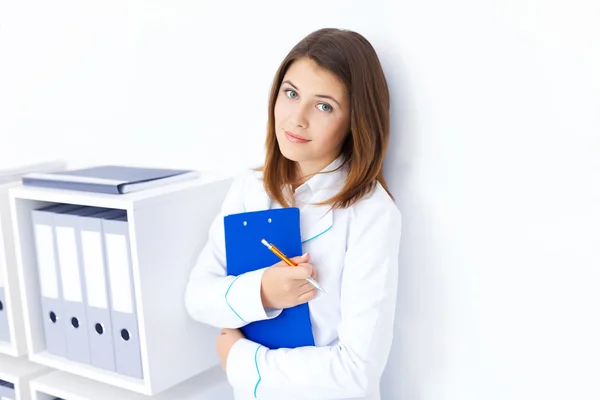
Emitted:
<point x="245" y="252"/>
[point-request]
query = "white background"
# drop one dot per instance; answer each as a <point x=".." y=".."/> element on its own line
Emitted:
<point x="493" y="160"/>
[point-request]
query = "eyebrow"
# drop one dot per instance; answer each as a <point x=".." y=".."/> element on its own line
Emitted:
<point x="322" y="96"/>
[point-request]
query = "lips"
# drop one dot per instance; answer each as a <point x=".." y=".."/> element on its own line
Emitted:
<point x="295" y="138"/>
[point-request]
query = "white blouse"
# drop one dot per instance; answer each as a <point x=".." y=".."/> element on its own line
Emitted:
<point x="355" y="251"/>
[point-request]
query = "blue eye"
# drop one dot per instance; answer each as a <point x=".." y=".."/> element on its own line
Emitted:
<point x="291" y="94"/>
<point x="324" y="107"/>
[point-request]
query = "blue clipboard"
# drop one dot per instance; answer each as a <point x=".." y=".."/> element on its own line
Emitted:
<point x="245" y="252"/>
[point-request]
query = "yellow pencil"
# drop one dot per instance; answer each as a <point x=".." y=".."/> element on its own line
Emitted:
<point x="289" y="262"/>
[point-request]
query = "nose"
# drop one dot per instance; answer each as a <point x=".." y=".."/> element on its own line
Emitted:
<point x="299" y="117"/>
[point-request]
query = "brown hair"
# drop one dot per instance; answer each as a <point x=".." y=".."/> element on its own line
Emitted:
<point x="350" y="57"/>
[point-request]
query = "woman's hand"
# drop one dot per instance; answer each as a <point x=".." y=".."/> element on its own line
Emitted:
<point x="283" y="286"/>
<point x="225" y="342"/>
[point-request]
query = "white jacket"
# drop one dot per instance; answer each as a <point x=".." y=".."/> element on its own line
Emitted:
<point x="355" y="252"/>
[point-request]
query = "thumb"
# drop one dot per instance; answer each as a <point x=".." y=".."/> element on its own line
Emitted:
<point x="303" y="259"/>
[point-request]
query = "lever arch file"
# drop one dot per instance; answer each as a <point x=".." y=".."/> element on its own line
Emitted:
<point x="53" y="311"/>
<point x="100" y="331"/>
<point x="4" y="328"/>
<point x="72" y="281"/>
<point x="123" y="307"/>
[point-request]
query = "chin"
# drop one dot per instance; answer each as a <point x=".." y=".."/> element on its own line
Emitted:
<point x="291" y="154"/>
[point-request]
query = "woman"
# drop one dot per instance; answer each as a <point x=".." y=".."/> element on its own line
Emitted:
<point x="326" y="141"/>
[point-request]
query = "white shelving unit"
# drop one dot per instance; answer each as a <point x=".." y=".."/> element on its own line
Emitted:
<point x="167" y="228"/>
<point x="210" y="385"/>
<point x="19" y="371"/>
<point x="11" y="306"/>
<point x="12" y="342"/>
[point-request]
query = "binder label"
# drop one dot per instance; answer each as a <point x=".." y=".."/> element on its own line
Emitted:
<point x="91" y="242"/>
<point x="69" y="264"/>
<point x="118" y="269"/>
<point x="47" y="266"/>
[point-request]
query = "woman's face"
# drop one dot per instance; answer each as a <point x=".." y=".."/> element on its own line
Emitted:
<point x="312" y="116"/>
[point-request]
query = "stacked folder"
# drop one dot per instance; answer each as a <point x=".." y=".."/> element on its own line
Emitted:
<point x="7" y="390"/>
<point x="111" y="179"/>
<point x="86" y="286"/>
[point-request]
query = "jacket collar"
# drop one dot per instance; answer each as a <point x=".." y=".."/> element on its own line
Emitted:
<point x="315" y="220"/>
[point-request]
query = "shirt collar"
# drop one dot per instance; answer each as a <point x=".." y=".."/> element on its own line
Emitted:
<point x="329" y="177"/>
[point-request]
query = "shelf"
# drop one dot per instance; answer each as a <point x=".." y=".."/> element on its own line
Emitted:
<point x="123" y="201"/>
<point x="87" y="371"/>
<point x="167" y="227"/>
<point x="19" y="371"/>
<point x="210" y="385"/>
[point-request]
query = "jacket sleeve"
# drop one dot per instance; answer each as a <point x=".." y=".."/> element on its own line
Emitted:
<point x="353" y="366"/>
<point x="213" y="297"/>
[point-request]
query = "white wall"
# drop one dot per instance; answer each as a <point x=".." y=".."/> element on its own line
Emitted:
<point x="494" y="158"/>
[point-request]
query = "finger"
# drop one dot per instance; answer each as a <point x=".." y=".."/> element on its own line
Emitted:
<point x="307" y="296"/>
<point x="310" y="269"/>
<point x="302" y="271"/>
<point x="304" y="258"/>
<point x="305" y="287"/>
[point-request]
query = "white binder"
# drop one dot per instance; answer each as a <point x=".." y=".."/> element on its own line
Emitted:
<point x="100" y="331"/>
<point x="4" y="328"/>
<point x="73" y="283"/>
<point x="49" y="277"/>
<point x="123" y="308"/>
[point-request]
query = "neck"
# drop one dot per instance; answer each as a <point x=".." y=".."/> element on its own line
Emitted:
<point x="307" y="169"/>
